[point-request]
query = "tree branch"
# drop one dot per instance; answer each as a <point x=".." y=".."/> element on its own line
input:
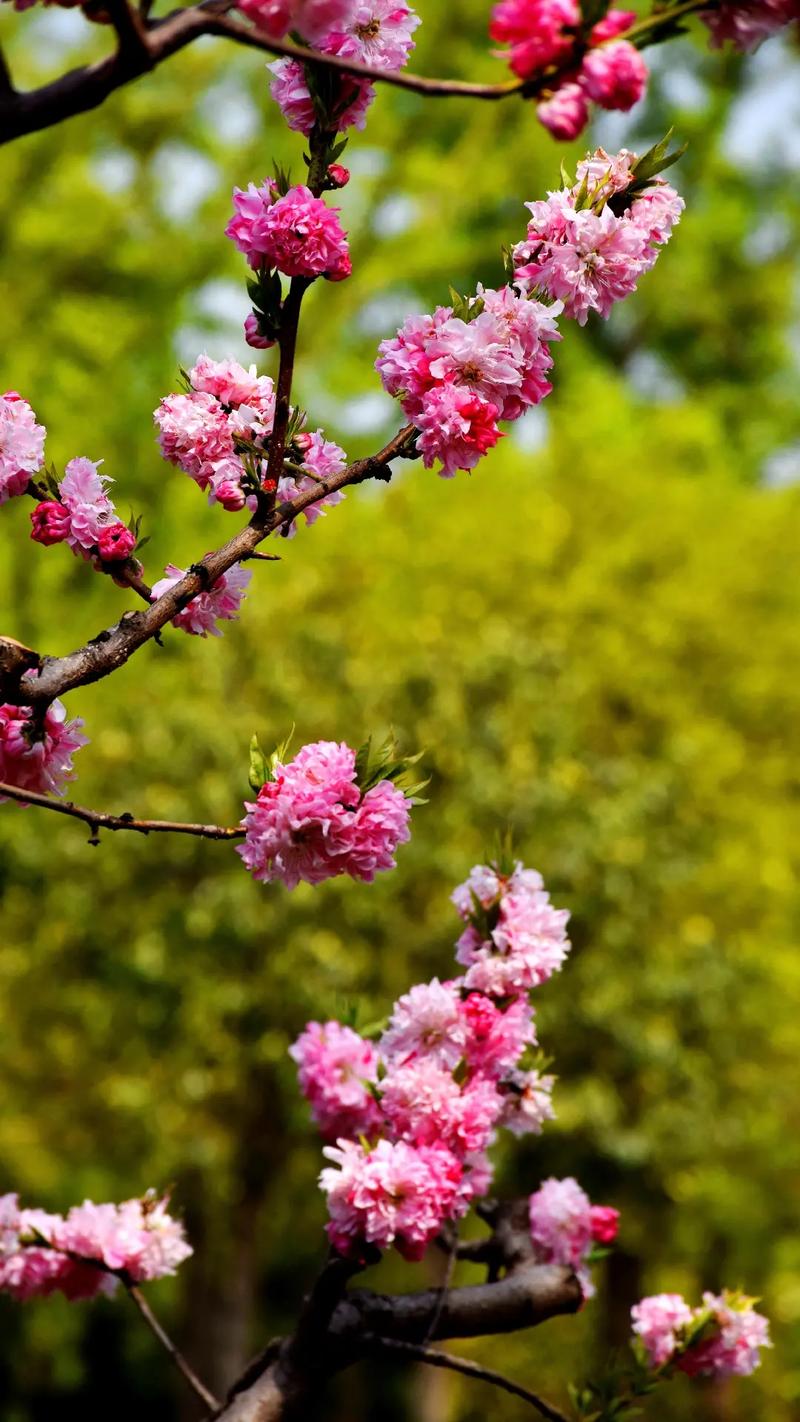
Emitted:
<point x="175" y="1354"/>
<point x="98" y="819"/>
<point x="144" y="45"/>
<point x="112" y="648"/>
<point x="437" y="1359"/>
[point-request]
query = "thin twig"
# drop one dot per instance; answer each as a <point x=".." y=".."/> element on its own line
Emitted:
<point x="438" y="1359"/>
<point x="208" y="1398"/>
<point x="98" y="819"/>
<point x="450" y="1265"/>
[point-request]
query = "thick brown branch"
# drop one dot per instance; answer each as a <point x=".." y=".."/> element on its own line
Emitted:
<point x="111" y="649"/>
<point x="437" y="1359"/>
<point x="98" y="819"/>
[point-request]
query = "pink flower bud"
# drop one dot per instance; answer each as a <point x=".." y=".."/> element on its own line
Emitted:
<point x="253" y="336"/>
<point x="338" y="175"/>
<point x="115" y="542"/>
<point x="615" y="75"/>
<point x="566" y="113"/>
<point x="50" y="522"/>
<point x="616" y="22"/>
<point x="230" y="495"/>
<point x="604" y="1221"/>
<point x="303" y="442"/>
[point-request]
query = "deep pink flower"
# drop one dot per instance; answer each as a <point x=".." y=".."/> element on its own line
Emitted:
<point x="338" y="175"/>
<point x="605" y="1223"/>
<point x="616" y="22"/>
<point x="50" y="522"/>
<point x="253" y="336"/>
<point x="456" y="428"/>
<point x="297" y="234"/>
<point x="221" y="603"/>
<point x="425" y="1105"/>
<point x="37" y="754"/>
<point x="234" y="386"/>
<point x="615" y="75"/>
<point x="312" y="19"/>
<point x="540" y="32"/>
<point x="21" y="445"/>
<point x="115" y="542"/>
<point x="496" y="1036"/>
<point x="566" y="113"/>
<point x="336" y="1068"/>
<point x="392" y="1193"/>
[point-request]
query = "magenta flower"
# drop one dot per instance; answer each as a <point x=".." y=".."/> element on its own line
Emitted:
<point x="540" y="32"/>
<point x="297" y="234"/>
<point x="615" y="75"/>
<point x="36" y="754"/>
<point x="565" y="113"/>
<point x="50" y="522"/>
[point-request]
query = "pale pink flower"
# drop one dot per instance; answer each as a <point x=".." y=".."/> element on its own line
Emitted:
<point x="50" y="522"/>
<point x="221" y="603"/>
<point x="561" y="1227"/>
<point x="234" y="386"/>
<point x="194" y="433"/>
<point x="336" y="1068"/>
<point x="322" y="458"/>
<point x="733" y="1349"/>
<point x="747" y="25"/>
<point x="520" y="942"/>
<point x="476" y="355"/>
<point x="655" y="212"/>
<point x="83" y="494"/>
<point x="290" y="91"/>
<point x="392" y="1193"/>
<point x="427" y="1021"/>
<point x="590" y="263"/>
<point x="566" y="113"/>
<point x="36" y="754"/>
<point x="540" y="32"/>
<point x="659" y="1321"/>
<point x="456" y="429"/>
<point x="615" y="75"/>
<point x="528" y="1102"/>
<point x="377" y="33"/>
<point x="297" y="234"/>
<point x="21" y="445"/>
<point x="425" y="1105"/>
<point x="605" y="172"/>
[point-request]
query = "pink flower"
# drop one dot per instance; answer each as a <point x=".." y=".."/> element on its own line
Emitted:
<point x="392" y="1193"/>
<point x="521" y="939"/>
<point x="253" y="336"/>
<point x="221" y="603"/>
<point x="561" y="1227"/>
<point x="21" y="445"/>
<point x="566" y="113"/>
<point x="50" y="522"/>
<point x="274" y="17"/>
<point x="297" y="234"/>
<point x="312" y="823"/>
<point x="426" y="1022"/>
<point x="234" y="386"/>
<point x="616" y="22"/>
<point x="336" y="1068"/>
<point x="527" y="327"/>
<point x="528" y="1102"/>
<point x="615" y="75"/>
<point x="83" y="494"/>
<point x="37" y="754"/>
<point x="377" y="33"/>
<point x="404" y="361"/>
<point x="138" y="1239"/>
<point x="290" y="91"/>
<point x="115" y="542"/>
<point x="312" y="19"/>
<point x="193" y="433"/>
<point x="496" y="1036"/>
<point x="657" y="1321"/>
<point x="540" y="32"/>
<point x="605" y="1223"/>
<point x="322" y="458"/>
<point x="586" y="259"/>
<point x="747" y="25"/>
<point x="426" y="1106"/>
<point x="456" y="429"/>
<point x="655" y="212"/>
<point x="733" y="1348"/>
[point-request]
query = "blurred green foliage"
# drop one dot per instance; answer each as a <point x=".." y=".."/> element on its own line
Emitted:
<point x="595" y="639"/>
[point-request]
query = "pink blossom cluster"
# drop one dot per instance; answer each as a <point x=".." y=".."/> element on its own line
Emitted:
<point x="721" y="1338"/>
<point x="565" y="1226"/>
<point x="21" y="445"/>
<point x="448" y="1070"/>
<point x="294" y="233"/>
<point x="86" y="1251"/>
<point x="36" y="752"/>
<point x="593" y="65"/>
<point x="312" y="821"/>
<point x="373" y="32"/>
<point x="514" y="939"/>
<point x="218" y="433"/>
<point x="219" y="603"/>
<point x="586" y="246"/>
<point x="456" y="378"/>
<point x="83" y="516"/>
<point x="747" y="24"/>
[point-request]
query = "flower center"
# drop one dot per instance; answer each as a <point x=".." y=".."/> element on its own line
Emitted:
<point x="471" y="372"/>
<point x="369" y="30"/>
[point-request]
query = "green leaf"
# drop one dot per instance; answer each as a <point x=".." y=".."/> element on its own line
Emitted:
<point x="259" y="772"/>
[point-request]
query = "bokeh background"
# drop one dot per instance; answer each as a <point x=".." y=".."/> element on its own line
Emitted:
<point x="595" y="639"/>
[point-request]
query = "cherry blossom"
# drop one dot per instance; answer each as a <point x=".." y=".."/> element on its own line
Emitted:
<point x="36" y="752"/>
<point x="220" y="603"/>
<point x="21" y="445"/>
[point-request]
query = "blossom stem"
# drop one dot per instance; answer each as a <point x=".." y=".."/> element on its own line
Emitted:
<point x="175" y="1354"/>
<point x="437" y="1359"/>
<point x="98" y="819"/>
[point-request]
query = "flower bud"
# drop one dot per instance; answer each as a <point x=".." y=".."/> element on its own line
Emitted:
<point x="115" y="542"/>
<point x="253" y="335"/>
<point x="338" y="175"/>
<point x="50" y="522"/>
